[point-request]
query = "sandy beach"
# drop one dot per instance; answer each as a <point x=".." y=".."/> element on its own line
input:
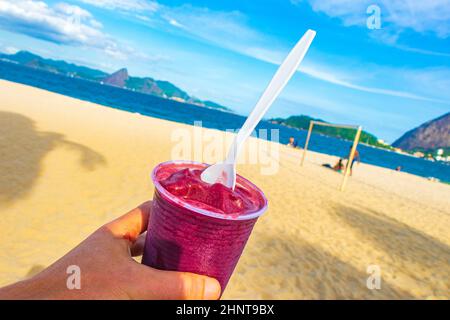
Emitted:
<point x="68" y="166"/>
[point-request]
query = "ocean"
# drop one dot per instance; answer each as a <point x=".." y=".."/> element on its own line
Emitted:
<point x="185" y="113"/>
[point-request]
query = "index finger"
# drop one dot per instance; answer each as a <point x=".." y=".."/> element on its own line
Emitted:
<point x="131" y="224"/>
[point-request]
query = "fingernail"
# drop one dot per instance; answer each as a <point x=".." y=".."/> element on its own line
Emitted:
<point x="212" y="289"/>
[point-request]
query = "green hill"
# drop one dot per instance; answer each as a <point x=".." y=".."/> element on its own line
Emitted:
<point x="302" y="122"/>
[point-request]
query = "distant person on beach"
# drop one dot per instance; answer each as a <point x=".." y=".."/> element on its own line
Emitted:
<point x="399" y="168"/>
<point x="108" y="271"/>
<point x="356" y="157"/>
<point x="339" y="166"/>
<point x="292" y="143"/>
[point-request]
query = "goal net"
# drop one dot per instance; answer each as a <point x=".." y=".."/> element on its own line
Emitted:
<point x="352" y="150"/>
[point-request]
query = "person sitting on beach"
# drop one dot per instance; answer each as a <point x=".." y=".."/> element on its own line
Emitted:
<point x="292" y="143"/>
<point x="108" y="271"/>
<point x="339" y="166"/>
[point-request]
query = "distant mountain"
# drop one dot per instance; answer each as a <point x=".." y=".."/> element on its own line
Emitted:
<point x="431" y="135"/>
<point x="302" y="122"/>
<point x="120" y="78"/>
<point x="34" y="61"/>
<point x="117" y="79"/>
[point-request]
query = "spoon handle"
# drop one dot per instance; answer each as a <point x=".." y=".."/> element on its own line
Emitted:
<point x="276" y="85"/>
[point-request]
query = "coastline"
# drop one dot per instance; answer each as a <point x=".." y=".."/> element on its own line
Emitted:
<point x="167" y="109"/>
<point x="72" y="165"/>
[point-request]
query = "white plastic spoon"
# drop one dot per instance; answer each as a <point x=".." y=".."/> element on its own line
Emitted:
<point x="225" y="172"/>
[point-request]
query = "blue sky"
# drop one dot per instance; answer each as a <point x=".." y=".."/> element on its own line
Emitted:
<point x="389" y="80"/>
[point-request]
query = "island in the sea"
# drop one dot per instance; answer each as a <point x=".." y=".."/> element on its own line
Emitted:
<point x="302" y="122"/>
<point x="431" y="140"/>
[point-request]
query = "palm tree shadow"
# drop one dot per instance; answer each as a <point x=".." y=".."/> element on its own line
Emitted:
<point x="403" y="243"/>
<point x="22" y="148"/>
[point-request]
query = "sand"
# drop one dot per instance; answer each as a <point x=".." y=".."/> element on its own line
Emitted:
<point x="68" y="166"/>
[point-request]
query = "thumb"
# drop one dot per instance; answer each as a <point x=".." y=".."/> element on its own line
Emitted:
<point x="172" y="285"/>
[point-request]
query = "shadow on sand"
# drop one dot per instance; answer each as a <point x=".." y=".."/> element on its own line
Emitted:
<point x="317" y="274"/>
<point x="402" y="242"/>
<point x="22" y="148"/>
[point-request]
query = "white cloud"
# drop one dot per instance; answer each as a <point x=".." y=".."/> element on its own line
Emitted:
<point x="175" y="23"/>
<point x="391" y="37"/>
<point x="227" y="29"/>
<point x="71" y="10"/>
<point x="350" y="78"/>
<point x="423" y="51"/>
<point x="397" y="16"/>
<point x="143" y="18"/>
<point x="62" y="23"/>
<point x="420" y="16"/>
<point x="10" y="50"/>
<point x="332" y="78"/>
<point x="417" y="15"/>
<point x="125" y="5"/>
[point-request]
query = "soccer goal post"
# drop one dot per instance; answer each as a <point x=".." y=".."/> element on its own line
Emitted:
<point x="352" y="151"/>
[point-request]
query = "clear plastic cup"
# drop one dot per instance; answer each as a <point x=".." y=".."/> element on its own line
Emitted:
<point x="182" y="237"/>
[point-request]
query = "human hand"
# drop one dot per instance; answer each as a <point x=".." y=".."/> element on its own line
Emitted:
<point x="108" y="270"/>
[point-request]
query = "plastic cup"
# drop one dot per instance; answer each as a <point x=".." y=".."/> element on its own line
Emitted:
<point x="182" y="237"/>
